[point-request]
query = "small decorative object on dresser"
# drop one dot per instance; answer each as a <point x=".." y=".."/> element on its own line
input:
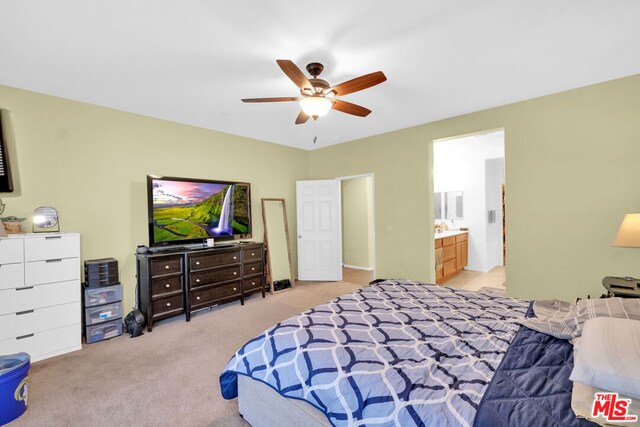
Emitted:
<point x="13" y="224"/>
<point x="45" y="219"/>
<point x="40" y="294"/>
<point x="183" y="281"/>
<point x="3" y="232"/>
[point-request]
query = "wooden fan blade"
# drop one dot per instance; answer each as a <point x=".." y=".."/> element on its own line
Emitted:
<point x="349" y="108"/>
<point x="282" y="99"/>
<point x="293" y="72"/>
<point x="359" y="83"/>
<point x="302" y="118"/>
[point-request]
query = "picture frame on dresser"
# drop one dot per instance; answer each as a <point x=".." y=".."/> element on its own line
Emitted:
<point x="40" y="297"/>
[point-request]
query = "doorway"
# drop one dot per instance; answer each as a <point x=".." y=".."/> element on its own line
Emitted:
<point x="469" y="210"/>
<point x="358" y="228"/>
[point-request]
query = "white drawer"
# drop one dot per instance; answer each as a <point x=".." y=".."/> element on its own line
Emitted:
<point x="55" y="270"/>
<point x="39" y="320"/>
<point x="11" y="250"/>
<point x="42" y="343"/>
<point x="11" y="275"/>
<point x="52" y="247"/>
<point x="29" y="298"/>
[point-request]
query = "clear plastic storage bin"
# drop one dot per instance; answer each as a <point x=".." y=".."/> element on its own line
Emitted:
<point x="104" y="331"/>
<point x="103" y="295"/>
<point x="103" y="313"/>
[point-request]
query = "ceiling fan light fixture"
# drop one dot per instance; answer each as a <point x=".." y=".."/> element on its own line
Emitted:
<point x="315" y="106"/>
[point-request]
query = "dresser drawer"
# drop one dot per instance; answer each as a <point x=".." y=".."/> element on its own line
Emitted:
<point x="11" y="276"/>
<point x="200" y="297"/>
<point x="251" y="254"/>
<point x="165" y="285"/>
<point x="208" y="260"/>
<point x="252" y="268"/>
<point x="11" y="251"/>
<point x="167" y="265"/>
<point x="51" y="247"/>
<point x="253" y="283"/>
<point x="215" y="276"/>
<point x="55" y="270"/>
<point x="169" y="305"/>
<point x="41" y="344"/>
<point x="29" y="298"/>
<point x="39" y="320"/>
<point x="438" y="243"/>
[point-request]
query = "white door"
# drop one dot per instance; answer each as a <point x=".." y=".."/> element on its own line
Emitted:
<point x="319" y="230"/>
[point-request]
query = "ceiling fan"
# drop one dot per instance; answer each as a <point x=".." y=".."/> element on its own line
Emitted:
<point x="317" y="96"/>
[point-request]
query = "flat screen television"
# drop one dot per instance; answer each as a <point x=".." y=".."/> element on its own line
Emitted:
<point x="185" y="210"/>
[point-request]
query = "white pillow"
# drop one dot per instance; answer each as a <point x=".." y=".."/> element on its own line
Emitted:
<point x="608" y="355"/>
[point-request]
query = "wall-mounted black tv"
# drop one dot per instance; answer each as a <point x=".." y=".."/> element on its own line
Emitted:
<point x="186" y="210"/>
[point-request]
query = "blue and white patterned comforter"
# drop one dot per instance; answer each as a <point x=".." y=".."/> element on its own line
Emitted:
<point x="394" y="353"/>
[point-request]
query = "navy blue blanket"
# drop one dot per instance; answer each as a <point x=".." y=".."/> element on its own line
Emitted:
<point x="531" y="385"/>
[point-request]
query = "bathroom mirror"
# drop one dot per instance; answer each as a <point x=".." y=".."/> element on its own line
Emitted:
<point x="277" y="242"/>
<point x="437" y="205"/>
<point x="453" y="205"/>
<point x="45" y="219"/>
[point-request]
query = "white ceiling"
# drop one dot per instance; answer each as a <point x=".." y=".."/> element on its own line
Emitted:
<point x="191" y="61"/>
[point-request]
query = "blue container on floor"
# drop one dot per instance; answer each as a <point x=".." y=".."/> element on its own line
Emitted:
<point x="14" y="386"/>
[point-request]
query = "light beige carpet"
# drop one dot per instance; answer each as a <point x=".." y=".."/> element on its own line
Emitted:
<point x="168" y="377"/>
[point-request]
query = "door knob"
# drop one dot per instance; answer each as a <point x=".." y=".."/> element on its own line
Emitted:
<point x="299" y="236"/>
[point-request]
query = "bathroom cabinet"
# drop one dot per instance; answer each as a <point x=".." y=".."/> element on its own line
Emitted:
<point x="452" y="254"/>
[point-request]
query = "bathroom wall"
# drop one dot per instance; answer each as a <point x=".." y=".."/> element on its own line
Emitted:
<point x="460" y="165"/>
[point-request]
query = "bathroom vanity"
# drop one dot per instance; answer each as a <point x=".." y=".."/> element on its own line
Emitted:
<point x="452" y="253"/>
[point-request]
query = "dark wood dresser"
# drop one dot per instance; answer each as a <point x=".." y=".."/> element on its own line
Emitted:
<point x="181" y="282"/>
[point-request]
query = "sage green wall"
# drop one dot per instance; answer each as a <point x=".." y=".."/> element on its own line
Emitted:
<point x="91" y="164"/>
<point x="572" y="163"/>
<point x="357" y="224"/>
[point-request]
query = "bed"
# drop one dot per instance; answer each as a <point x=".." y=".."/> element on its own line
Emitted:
<point x="404" y="353"/>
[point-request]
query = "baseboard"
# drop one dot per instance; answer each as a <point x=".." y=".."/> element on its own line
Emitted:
<point x="357" y="267"/>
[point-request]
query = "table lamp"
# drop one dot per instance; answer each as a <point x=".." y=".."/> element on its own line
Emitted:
<point x="629" y="232"/>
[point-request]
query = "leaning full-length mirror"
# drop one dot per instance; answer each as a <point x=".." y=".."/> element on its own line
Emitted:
<point x="276" y="239"/>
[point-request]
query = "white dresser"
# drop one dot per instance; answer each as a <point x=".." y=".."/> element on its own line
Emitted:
<point x="40" y="310"/>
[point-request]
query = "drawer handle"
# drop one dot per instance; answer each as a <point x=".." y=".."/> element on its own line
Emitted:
<point x="24" y="288"/>
<point x="253" y="283"/>
<point x="197" y="262"/>
<point x="253" y="269"/>
<point x="53" y="260"/>
<point x="20" y="313"/>
<point x="198" y="298"/>
<point x="167" y="285"/>
<point x="252" y="254"/>
<point x="166" y="267"/>
<point x="25" y="336"/>
<point x="235" y="257"/>
<point x="197" y="280"/>
<point x="52" y="237"/>
<point x="168" y="304"/>
<point x="235" y="289"/>
<point x="235" y="273"/>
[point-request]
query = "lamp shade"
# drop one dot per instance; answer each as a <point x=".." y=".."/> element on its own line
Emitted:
<point x="629" y="232"/>
<point x="315" y="106"/>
